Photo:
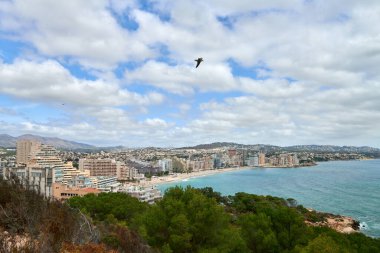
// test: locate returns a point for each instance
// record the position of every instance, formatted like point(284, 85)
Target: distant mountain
point(214, 145)
point(263, 147)
point(297, 148)
point(10, 141)
point(331, 148)
point(7, 140)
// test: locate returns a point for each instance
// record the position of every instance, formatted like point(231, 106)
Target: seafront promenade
point(177, 177)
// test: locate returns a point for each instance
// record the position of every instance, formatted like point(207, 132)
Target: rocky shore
point(342, 224)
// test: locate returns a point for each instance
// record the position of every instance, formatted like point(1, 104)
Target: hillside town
point(63, 174)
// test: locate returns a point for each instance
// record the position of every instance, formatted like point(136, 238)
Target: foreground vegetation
point(185, 220)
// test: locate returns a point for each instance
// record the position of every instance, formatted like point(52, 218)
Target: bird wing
point(198, 62)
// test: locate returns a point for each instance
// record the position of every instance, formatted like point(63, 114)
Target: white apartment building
point(166, 165)
point(253, 161)
point(146, 194)
point(107, 184)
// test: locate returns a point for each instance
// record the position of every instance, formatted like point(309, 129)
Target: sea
point(350, 188)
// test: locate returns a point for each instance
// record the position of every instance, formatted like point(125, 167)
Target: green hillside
point(185, 220)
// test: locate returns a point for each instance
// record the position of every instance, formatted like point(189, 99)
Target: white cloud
point(273, 88)
point(320, 69)
point(183, 79)
point(327, 118)
point(228, 7)
point(85, 30)
point(121, 6)
point(48, 81)
point(156, 122)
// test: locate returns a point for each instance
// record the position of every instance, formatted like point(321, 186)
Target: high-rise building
point(255, 160)
point(195, 165)
point(41, 166)
point(252, 161)
point(99, 167)
point(24, 150)
point(261, 159)
point(166, 165)
point(209, 162)
point(295, 160)
point(244, 154)
point(125, 172)
point(232, 152)
point(217, 161)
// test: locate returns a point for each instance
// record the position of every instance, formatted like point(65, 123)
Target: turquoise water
point(343, 187)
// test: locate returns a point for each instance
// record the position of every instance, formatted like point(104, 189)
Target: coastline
point(349, 221)
point(290, 167)
point(178, 177)
point(340, 223)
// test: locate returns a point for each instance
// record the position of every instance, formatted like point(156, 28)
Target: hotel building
point(99, 167)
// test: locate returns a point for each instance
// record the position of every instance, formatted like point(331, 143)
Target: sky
point(122, 72)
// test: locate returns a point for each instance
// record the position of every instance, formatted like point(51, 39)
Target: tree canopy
point(185, 220)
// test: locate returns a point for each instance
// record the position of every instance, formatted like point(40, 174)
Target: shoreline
point(340, 223)
point(178, 177)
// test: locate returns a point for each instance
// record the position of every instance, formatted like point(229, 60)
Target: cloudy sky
point(122, 72)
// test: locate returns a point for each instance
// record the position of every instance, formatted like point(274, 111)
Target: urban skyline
point(64, 174)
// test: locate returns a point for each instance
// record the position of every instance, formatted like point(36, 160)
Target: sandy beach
point(177, 177)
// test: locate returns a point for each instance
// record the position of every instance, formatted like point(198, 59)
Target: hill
point(10, 142)
point(201, 220)
point(296, 148)
point(331, 148)
point(7, 141)
point(185, 220)
point(29, 222)
point(263, 147)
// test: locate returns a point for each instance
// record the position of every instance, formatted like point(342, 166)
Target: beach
point(340, 223)
point(178, 177)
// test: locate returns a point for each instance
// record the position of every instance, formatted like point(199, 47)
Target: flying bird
point(199, 60)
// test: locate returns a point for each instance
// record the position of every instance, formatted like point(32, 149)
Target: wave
point(363, 226)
